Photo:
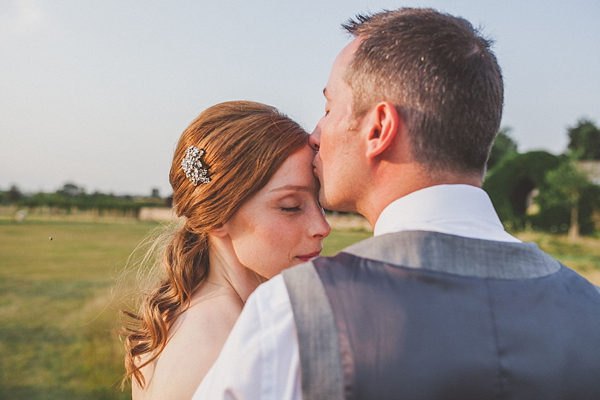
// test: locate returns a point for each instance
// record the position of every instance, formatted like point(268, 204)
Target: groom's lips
point(308, 257)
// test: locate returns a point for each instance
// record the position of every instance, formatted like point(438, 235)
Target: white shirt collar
point(461, 210)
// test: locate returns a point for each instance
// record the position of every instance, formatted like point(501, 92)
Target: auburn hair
point(245, 143)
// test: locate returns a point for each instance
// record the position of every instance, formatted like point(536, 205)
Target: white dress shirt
point(260, 359)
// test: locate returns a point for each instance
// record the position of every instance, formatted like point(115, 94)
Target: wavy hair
point(245, 143)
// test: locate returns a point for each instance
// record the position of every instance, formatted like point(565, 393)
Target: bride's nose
point(320, 227)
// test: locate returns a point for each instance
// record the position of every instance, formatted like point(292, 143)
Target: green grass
point(58, 306)
point(57, 310)
point(582, 255)
point(338, 240)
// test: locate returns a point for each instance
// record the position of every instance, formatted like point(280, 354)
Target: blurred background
point(94, 95)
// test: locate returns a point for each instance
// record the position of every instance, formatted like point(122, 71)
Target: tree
point(503, 146)
point(584, 140)
point(71, 190)
point(569, 182)
point(14, 194)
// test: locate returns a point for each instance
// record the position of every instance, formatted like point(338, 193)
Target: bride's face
point(282, 224)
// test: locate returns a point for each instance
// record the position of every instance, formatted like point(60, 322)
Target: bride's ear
point(222, 231)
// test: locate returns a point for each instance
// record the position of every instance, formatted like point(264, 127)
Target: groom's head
point(433, 76)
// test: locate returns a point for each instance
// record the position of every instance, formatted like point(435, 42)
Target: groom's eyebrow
point(299, 188)
point(325, 92)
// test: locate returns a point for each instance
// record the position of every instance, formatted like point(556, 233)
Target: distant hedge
point(512, 180)
point(83, 201)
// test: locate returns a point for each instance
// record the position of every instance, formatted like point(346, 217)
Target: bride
point(242, 179)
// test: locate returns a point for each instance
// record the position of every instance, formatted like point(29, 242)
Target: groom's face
point(337, 139)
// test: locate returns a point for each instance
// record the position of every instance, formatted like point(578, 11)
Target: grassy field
point(582, 255)
point(56, 309)
point(58, 305)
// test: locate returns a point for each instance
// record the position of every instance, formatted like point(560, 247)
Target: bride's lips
point(308, 257)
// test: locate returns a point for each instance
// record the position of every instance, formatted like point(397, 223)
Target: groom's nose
point(315, 138)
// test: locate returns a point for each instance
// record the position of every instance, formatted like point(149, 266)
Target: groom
point(441, 303)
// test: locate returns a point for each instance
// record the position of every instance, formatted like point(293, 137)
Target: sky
point(97, 93)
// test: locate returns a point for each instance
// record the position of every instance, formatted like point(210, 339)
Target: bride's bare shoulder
point(212, 315)
point(195, 341)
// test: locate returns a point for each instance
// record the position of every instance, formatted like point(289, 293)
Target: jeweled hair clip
point(193, 167)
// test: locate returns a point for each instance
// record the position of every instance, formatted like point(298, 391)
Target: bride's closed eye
point(289, 204)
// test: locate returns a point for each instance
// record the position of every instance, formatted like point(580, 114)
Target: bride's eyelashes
point(290, 209)
point(288, 206)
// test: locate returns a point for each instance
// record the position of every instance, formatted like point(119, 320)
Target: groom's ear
point(384, 123)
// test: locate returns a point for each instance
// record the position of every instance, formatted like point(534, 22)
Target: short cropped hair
point(442, 77)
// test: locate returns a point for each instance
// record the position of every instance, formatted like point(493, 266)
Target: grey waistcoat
point(424, 315)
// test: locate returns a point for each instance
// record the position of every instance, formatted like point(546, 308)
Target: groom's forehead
point(340, 68)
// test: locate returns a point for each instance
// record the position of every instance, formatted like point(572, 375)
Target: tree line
point(71, 196)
